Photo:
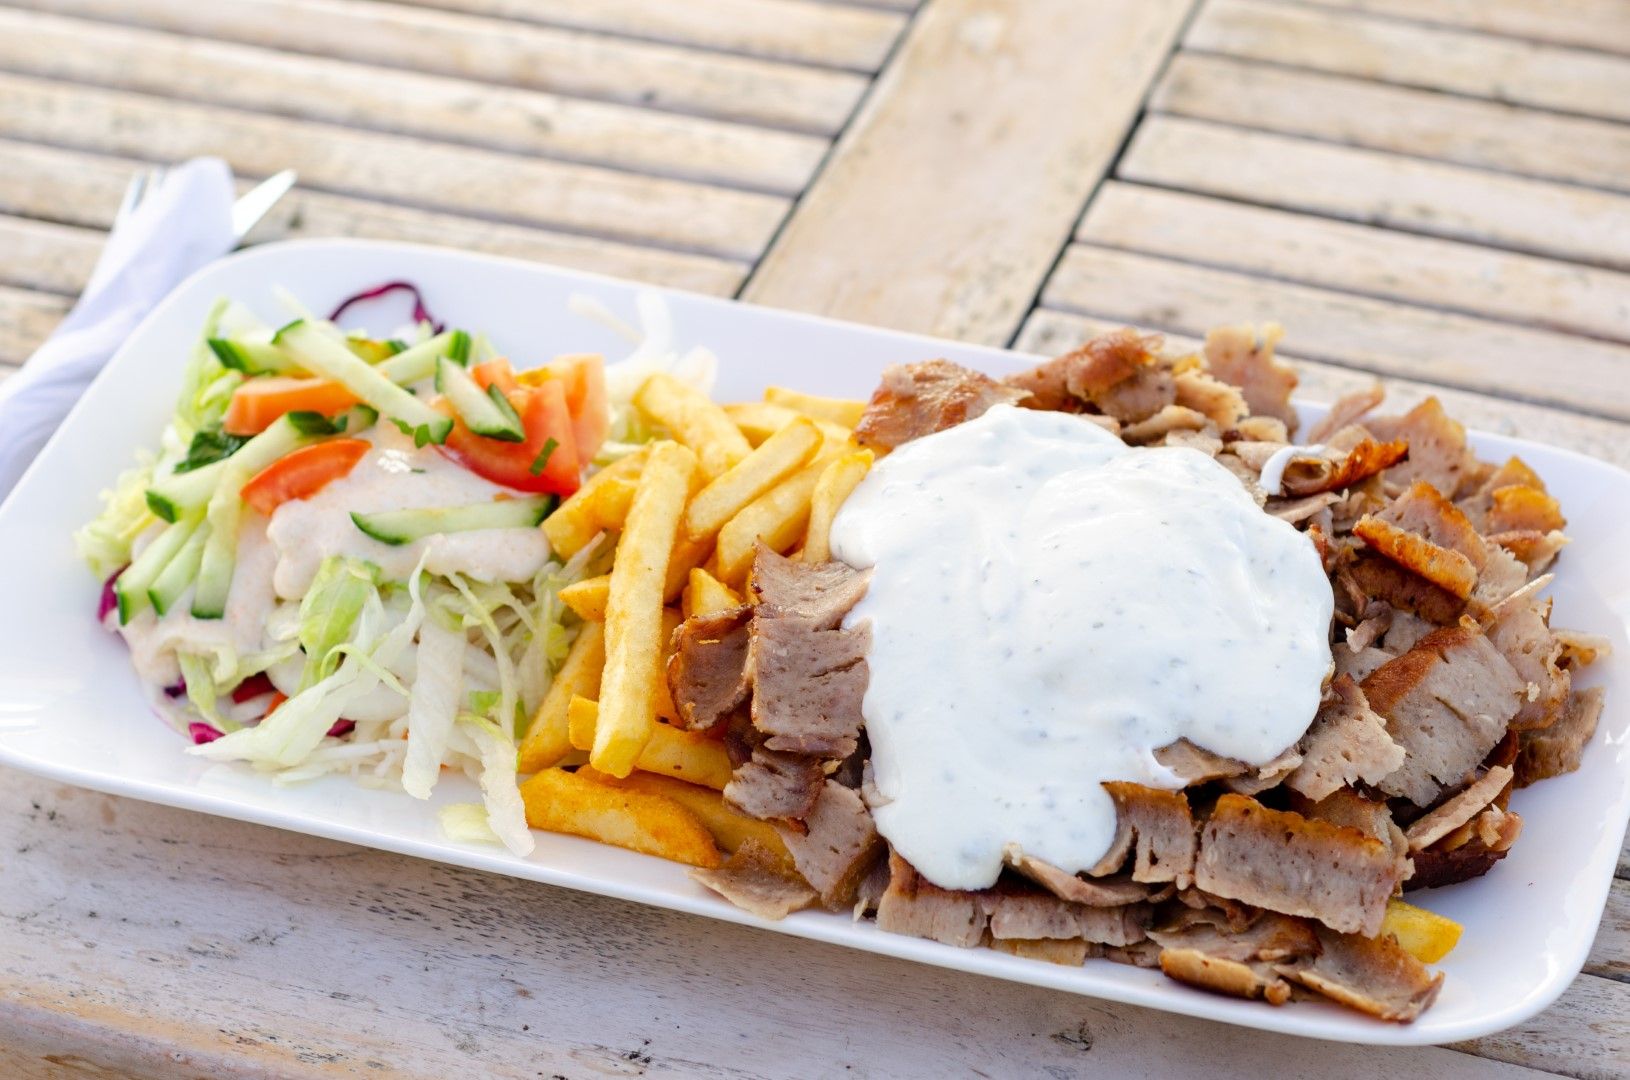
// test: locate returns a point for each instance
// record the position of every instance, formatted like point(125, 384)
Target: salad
point(331, 563)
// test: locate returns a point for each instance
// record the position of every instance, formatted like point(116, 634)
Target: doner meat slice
point(919, 399)
point(1447, 702)
point(1295, 865)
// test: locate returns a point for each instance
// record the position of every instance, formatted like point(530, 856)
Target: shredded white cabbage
point(654, 351)
point(433, 706)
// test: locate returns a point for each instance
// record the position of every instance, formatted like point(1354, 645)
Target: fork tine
point(132, 196)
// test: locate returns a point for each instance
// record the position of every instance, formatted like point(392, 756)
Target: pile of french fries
point(687, 512)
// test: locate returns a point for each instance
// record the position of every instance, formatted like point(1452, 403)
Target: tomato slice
point(586, 396)
point(495, 373)
point(257, 404)
point(544, 416)
point(583, 377)
point(303, 473)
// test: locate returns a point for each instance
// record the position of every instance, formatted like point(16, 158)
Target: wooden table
point(1433, 190)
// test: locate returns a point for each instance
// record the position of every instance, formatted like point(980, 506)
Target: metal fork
point(140, 187)
point(246, 212)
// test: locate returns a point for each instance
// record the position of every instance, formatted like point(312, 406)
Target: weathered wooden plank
point(1590, 24)
point(1610, 953)
point(1383, 189)
point(1519, 72)
point(45, 256)
point(487, 183)
point(798, 30)
point(1360, 258)
point(505, 53)
point(26, 317)
point(435, 107)
point(127, 930)
point(84, 189)
point(1377, 335)
point(1049, 332)
point(911, 224)
point(1585, 1034)
point(1402, 120)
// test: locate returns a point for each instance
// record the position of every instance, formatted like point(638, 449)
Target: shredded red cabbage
point(420, 312)
point(253, 687)
point(342, 728)
point(110, 599)
point(179, 689)
point(202, 733)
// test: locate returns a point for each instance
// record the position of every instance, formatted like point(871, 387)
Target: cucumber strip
point(252, 357)
point(485, 412)
point(131, 590)
point(217, 561)
point(225, 510)
point(458, 349)
point(416, 362)
point(325, 356)
point(171, 497)
point(396, 527)
point(181, 571)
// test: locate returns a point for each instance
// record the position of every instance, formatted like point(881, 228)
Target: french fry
point(588, 597)
point(775, 459)
point(628, 690)
point(758, 420)
point(669, 751)
point(1425, 935)
point(563, 802)
point(693, 419)
point(777, 517)
point(833, 410)
point(583, 515)
point(688, 554)
point(834, 486)
point(707, 595)
point(671, 618)
point(548, 739)
point(730, 827)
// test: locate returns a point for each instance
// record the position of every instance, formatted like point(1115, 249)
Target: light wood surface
point(990, 105)
point(1567, 80)
point(1430, 190)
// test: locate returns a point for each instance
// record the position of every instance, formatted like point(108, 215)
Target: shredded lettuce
point(329, 612)
point(105, 543)
point(506, 811)
point(466, 823)
point(654, 351)
point(206, 383)
point(198, 672)
point(433, 707)
point(288, 736)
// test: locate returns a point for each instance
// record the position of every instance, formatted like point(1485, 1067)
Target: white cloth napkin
point(184, 224)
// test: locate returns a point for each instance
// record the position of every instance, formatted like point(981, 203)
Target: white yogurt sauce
point(396, 476)
point(1047, 608)
point(1272, 480)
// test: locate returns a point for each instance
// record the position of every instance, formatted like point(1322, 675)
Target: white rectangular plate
point(70, 707)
